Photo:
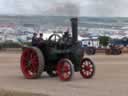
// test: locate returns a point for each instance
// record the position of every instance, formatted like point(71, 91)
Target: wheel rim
point(29, 63)
point(87, 68)
point(64, 70)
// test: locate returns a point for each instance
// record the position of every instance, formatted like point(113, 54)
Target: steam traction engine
point(58, 56)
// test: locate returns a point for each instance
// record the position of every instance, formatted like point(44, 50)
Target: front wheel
point(65, 69)
point(87, 68)
point(90, 51)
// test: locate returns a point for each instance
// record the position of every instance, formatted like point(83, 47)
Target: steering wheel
point(54, 38)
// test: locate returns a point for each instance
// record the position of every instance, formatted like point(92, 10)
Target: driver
point(40, 39)
point(34, 39)
point(66, 36)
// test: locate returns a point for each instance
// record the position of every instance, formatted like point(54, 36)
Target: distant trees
point(104, 40)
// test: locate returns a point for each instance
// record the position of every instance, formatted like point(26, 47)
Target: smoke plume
point(65, 9)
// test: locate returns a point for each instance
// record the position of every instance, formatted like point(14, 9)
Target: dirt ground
point(111, 78)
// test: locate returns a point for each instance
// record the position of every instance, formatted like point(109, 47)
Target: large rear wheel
point(32, 62)
point(65, 69)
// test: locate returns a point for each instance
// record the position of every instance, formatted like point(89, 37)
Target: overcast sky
point(64, 7)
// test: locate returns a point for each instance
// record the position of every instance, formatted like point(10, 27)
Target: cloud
point(105, 8)
point(65, 7)
point(23, 7)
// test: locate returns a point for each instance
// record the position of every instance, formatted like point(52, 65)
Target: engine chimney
point(74, 25)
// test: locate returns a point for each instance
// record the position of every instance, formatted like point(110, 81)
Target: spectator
point(34, 39)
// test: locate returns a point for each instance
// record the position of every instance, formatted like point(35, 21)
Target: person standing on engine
point(34, 39)
point(40, 39)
